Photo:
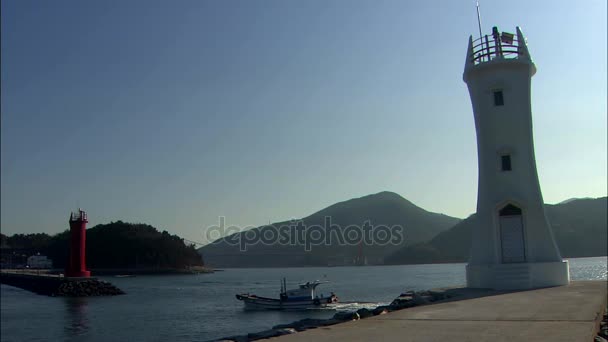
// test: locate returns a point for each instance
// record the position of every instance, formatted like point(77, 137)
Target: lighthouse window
point(498, 98)
point(506, 162)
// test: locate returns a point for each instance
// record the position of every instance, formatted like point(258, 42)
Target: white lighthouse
point(513, 246)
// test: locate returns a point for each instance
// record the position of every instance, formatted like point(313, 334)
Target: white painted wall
point(502, 130)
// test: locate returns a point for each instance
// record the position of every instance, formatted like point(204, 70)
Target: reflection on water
point(588, 268)
point(77, 319)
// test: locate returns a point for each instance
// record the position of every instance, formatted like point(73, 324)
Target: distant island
point(114, 248)
point(579, 227)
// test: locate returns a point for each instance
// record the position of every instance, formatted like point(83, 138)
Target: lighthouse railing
point(488, 48)
point(78, 215)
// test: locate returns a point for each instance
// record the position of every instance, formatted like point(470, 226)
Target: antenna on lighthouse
point(479, 19)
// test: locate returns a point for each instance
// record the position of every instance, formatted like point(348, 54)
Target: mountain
point(579, 227)
point(386, 209)
point(574, 199)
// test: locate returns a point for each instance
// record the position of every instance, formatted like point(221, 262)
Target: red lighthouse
point(76, 265)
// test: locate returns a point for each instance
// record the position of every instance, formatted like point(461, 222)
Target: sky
point(174, 113)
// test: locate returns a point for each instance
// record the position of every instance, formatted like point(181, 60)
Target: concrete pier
point(56, 285)
point(565, 313)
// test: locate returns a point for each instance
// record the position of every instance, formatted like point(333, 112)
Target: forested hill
point(579, 227)
point(384, 208)
point(113, 245)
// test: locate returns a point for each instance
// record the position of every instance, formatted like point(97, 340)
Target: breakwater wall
point(403, 301)
point(151, 271)
point(54, 285)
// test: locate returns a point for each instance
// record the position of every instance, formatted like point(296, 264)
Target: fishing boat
point(302, 298)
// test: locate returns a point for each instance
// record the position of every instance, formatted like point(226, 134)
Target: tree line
point(113, 245)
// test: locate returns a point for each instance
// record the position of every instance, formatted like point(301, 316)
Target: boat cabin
point(304, 291)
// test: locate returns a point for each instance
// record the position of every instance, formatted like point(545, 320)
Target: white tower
point(513, 245)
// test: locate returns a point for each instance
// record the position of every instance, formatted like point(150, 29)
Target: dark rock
point(402, 302)
point(403, 298)
point(602, 335)
point(331, 321)
point(85, 288)
point(308, 323)
point(411, 298)
point(438, 295)
point(346, 316)
point(421, 299)
point(381, 310)
point(264, 334)
point(303, 324)
point(284, 326)
point(364, 313)
point(241, 338)
point(286, 331)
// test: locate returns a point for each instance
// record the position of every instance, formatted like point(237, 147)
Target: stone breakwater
point(405, 300)
point(86, 288)
point(151, 271)
point(602, 335)
point(53, 285)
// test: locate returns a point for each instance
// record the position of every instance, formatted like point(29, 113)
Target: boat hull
point(261, 303)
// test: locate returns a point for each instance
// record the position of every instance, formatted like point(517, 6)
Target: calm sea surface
point(203, 307)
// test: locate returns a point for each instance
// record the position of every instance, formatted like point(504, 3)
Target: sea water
point(203, 307)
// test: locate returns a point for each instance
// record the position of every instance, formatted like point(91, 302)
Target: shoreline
point(374, 265)
point(151, 271)
point(59, 286)
point(120, 271)
point(408, 299)
point(459, 314)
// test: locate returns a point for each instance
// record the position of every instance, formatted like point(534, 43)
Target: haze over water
point(203, 307)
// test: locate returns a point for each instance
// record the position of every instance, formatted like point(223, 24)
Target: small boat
point(302, 298)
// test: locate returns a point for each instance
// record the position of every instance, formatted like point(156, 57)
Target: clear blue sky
point(173, 113)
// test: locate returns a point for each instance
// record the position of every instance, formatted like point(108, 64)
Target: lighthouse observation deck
point(497, 46)
point(79, 215)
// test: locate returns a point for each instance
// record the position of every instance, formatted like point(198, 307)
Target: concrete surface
point(565, 313)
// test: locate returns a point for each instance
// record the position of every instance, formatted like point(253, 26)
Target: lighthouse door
point(512, 235)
